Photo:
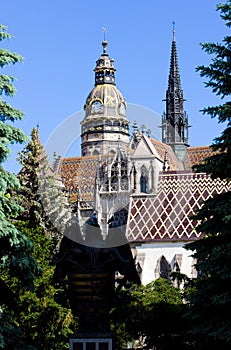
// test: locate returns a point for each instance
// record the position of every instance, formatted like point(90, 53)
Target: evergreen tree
point(210, 296)
point(15, 247)
point(41, 192)
point(30, 158)
point(45, 324)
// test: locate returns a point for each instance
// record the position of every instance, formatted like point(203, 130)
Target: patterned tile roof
point(68, 171)
point(161, 149)
point(166, 217)
point(73, 170)
point(78, 174)
point(198, 154)
point(86, 178)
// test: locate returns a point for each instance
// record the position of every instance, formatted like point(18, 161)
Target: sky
point(61, 41)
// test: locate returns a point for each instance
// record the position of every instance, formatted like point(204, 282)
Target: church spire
point(175, 120)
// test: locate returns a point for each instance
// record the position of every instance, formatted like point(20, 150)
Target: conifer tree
point(15, 247)
point(30, 158)
point(45, 323)
point(210, 296)
point(41, 191)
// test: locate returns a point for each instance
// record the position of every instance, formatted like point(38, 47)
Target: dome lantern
point(104, 70)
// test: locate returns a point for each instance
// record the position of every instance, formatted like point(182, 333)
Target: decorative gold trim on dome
point(110, 97)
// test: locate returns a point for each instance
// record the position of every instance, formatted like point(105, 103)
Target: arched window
point(119, 218)
point(124, 177)
point(163, 268)
point(144, 180)
point(116, 123)
point(114, 176)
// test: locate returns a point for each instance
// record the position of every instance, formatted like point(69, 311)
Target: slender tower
point(175, 120)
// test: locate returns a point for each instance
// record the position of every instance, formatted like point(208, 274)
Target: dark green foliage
point(16, 261)
point(30, 158)
point(210, 293)
point(43, 323)
point(152, 314)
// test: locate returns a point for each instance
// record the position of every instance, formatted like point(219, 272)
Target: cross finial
point(173, 31)
point(104, 29)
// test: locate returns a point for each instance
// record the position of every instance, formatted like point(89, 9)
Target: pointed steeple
point(174, 120)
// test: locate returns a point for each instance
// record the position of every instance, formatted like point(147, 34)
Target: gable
point(145, 149)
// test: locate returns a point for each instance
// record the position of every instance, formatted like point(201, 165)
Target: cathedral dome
point(105, 119)
point(105, 100)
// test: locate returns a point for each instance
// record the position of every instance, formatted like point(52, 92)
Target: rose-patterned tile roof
point(163, 217)
point(166, 216)
point(78, 175)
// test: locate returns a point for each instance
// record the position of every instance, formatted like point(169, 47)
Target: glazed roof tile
point(197, 154)
point(78, 174)
point(162, 149)
point(167, 216)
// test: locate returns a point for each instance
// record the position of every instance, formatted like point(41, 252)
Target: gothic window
point(144, 180)
point(177, 261)
point(124, 177)
point(152, 177)
point(114, 176)
point(134, 172)
point(119, 218)
point(163, 268)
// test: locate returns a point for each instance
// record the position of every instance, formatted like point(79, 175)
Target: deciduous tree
point(152, 315)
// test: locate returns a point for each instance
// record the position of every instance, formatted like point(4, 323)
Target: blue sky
point(61, 40)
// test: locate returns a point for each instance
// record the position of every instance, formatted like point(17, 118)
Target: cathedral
point(128, 179)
